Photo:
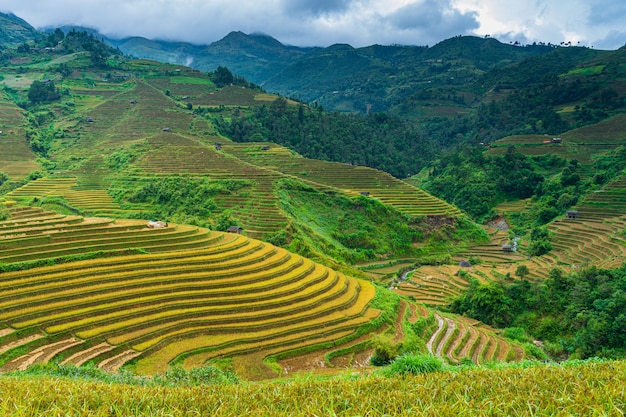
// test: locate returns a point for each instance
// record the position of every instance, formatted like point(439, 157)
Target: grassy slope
point(592, 388)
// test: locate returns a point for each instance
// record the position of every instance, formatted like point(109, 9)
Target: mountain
point(14, 30)
point(339, 77)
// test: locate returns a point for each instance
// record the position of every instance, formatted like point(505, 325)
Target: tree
point(43, 92)
point(222, 76)
point(522, 271)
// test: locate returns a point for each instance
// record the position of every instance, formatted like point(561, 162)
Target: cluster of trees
point(581, 314)
point(76, 41)
point(43, 92)
point(222, 77)
point(477, 182)
point(380, 141)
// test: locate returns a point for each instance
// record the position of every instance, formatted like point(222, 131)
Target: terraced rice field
point(255, 206)
point(578, 144)
point(456, 338)
point(596, 236)
point(32, 234)
point(16, 158)
point(93, 202)
point(353, 180)
point(194, 295)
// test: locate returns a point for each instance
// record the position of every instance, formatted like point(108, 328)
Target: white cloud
point(555, 21)
point(324, 22)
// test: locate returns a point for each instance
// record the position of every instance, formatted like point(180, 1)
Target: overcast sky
point(596, 23)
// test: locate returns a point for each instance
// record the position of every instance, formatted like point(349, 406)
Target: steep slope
point(16, 159)
point(14, 30)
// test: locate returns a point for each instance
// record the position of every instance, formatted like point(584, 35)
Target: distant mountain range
point(449, 75)
point(339, 76)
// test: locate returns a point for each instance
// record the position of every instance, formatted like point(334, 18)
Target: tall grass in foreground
point(591, 388)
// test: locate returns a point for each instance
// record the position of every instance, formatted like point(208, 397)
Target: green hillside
point(152, 215)
point(108, 143)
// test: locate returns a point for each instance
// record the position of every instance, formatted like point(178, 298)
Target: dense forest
point(581, 314)
point(381, 141)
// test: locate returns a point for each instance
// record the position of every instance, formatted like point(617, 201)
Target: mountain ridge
point(340, 77)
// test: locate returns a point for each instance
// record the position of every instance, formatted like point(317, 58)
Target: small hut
point(507, 248)
point(235, 229)
point(265, 148)
point(218, 146)
point(572, 214)
point(89, 120)
point(167, 129)
point(365, 193)
point(465, 264)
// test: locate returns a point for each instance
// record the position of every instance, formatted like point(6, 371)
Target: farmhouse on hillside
point(572, 214)
point(235, 229)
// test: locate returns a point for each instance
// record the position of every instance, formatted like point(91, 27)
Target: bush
point(415, 364)
point(516, 333)
point(385, 350)
point(43, 92)
point(522, 271)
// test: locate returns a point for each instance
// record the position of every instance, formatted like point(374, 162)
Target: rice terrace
point(177, 241)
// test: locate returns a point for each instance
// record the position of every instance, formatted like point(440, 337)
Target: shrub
point(415, 364)
point(516, 333)
point(385, 351)
point(522, 271)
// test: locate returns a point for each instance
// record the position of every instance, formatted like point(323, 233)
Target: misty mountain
point(409, 81)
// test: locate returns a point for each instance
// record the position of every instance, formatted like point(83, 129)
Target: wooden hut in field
point(572, 214)
point(235, 229)
point(507, 248)
point(465, 264)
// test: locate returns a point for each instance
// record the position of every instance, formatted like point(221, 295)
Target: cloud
point(433, 19)
point(613, 40)
point(315, 8)
point(603, 12)
point(324, 22)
